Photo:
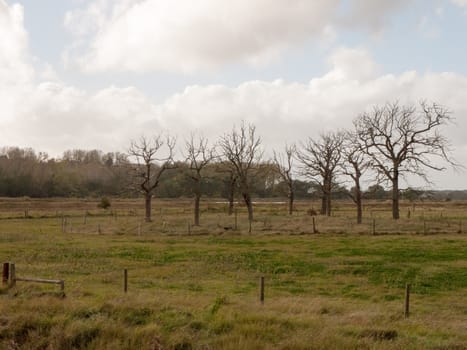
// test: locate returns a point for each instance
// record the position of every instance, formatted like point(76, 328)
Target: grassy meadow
point(338, 285)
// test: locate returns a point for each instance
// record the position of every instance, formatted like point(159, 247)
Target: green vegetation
point(340, 289)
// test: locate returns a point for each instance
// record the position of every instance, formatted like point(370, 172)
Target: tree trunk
point(231, 198)
point(323, 204)
point(358, 202)
point(291, 199)
point(197, 200)
point(358, 198)
point(327, 186)
point(249, 205)
point(395, 194)
point(147, 206)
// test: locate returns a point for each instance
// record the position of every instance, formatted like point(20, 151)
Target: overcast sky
point(98, 73)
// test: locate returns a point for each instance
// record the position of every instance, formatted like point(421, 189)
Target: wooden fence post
point(314, 225)
point(5, 273)
point(12, 276)
point(261, 289)
point(407, 300)
point(125, 280)
point(374, 227)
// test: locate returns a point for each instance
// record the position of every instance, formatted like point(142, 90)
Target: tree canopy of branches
point(242, 149)
point(403, 140)
point(320, 159)
point(151, 165)
point(198, 156)
point(283, 163)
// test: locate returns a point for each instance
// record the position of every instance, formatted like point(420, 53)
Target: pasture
point(335, 286)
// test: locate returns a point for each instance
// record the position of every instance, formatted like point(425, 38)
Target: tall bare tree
point(153, 159)
point(283, 163)
point(320, 159)
point(198, 155)
point(355, 163)
point(242, 148)
point(403, 140)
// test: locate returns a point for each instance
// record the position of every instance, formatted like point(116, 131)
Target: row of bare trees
point(385, 143)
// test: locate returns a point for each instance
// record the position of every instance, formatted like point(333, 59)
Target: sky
point(95, 74)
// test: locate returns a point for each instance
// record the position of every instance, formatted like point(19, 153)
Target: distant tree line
point(384, 145)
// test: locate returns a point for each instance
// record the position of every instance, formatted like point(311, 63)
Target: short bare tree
point(283, 163)
point(355, 163)
point(198, 155)
point(404, 140)
point(242, 149)
point(320, 159)
point(152, 159)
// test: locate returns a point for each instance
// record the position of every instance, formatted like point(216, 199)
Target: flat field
point(336, 285)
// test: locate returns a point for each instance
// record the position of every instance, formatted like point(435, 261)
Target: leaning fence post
point(407, 300)
point(12, 280)
point(5, 273)
point(261, 289)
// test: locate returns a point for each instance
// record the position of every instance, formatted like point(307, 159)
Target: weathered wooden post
point(12, 276)
point(125, 280)
point(314, 225)
point(236, 214)
point(261, 289)
point(5, 273)
point(374, 227)
point(407, 300)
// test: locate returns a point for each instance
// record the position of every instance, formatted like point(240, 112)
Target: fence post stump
point(407, 300)
point(5, 273)
point(261, 289)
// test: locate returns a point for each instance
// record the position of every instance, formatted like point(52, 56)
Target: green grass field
point(198, 287)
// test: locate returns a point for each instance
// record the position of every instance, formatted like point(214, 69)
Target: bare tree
point(230, 181)
point(151, 164)
point(403, 140)
point(320, 159)
point(284, 164)
point(198, 156)
point(242, 149)
point(355, 163)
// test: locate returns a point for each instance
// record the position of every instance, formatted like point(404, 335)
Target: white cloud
point(460, 3)
point(186, 36)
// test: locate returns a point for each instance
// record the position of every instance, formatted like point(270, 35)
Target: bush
point(104, 203)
